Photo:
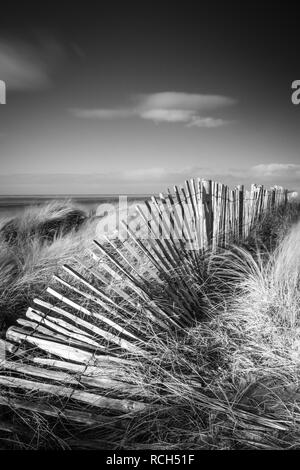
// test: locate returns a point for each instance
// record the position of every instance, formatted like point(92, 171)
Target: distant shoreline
point(10, 201)
point(65, 196)
point(11, 206)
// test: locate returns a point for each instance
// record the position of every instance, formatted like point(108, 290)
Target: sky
point(128, 99)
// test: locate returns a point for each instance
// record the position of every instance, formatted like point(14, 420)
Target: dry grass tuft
point(45, 221)
point(32, 248)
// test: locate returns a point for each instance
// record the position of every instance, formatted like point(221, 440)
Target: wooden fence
point(207, 214)
point(76, 346)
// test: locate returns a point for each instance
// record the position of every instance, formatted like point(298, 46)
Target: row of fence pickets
point(207, 214)
point(79, 343)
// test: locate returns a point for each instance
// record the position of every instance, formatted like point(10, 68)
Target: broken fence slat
point(69, 393)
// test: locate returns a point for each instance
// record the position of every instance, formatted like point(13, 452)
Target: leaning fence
point(76, 345)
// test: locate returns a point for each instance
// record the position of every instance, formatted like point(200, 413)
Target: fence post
point(207, 199)
point(240, 189)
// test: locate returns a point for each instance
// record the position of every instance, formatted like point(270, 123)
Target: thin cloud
point(130, 176)
point(188, 101)
point(102, 113)
point(167, 115)
point(256, 173)
point(282, 174)
point(25, 66)
point(167, 107)
point(277, 169)
point(151, 179)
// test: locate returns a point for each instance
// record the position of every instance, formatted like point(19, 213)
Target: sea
point(11, 206)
